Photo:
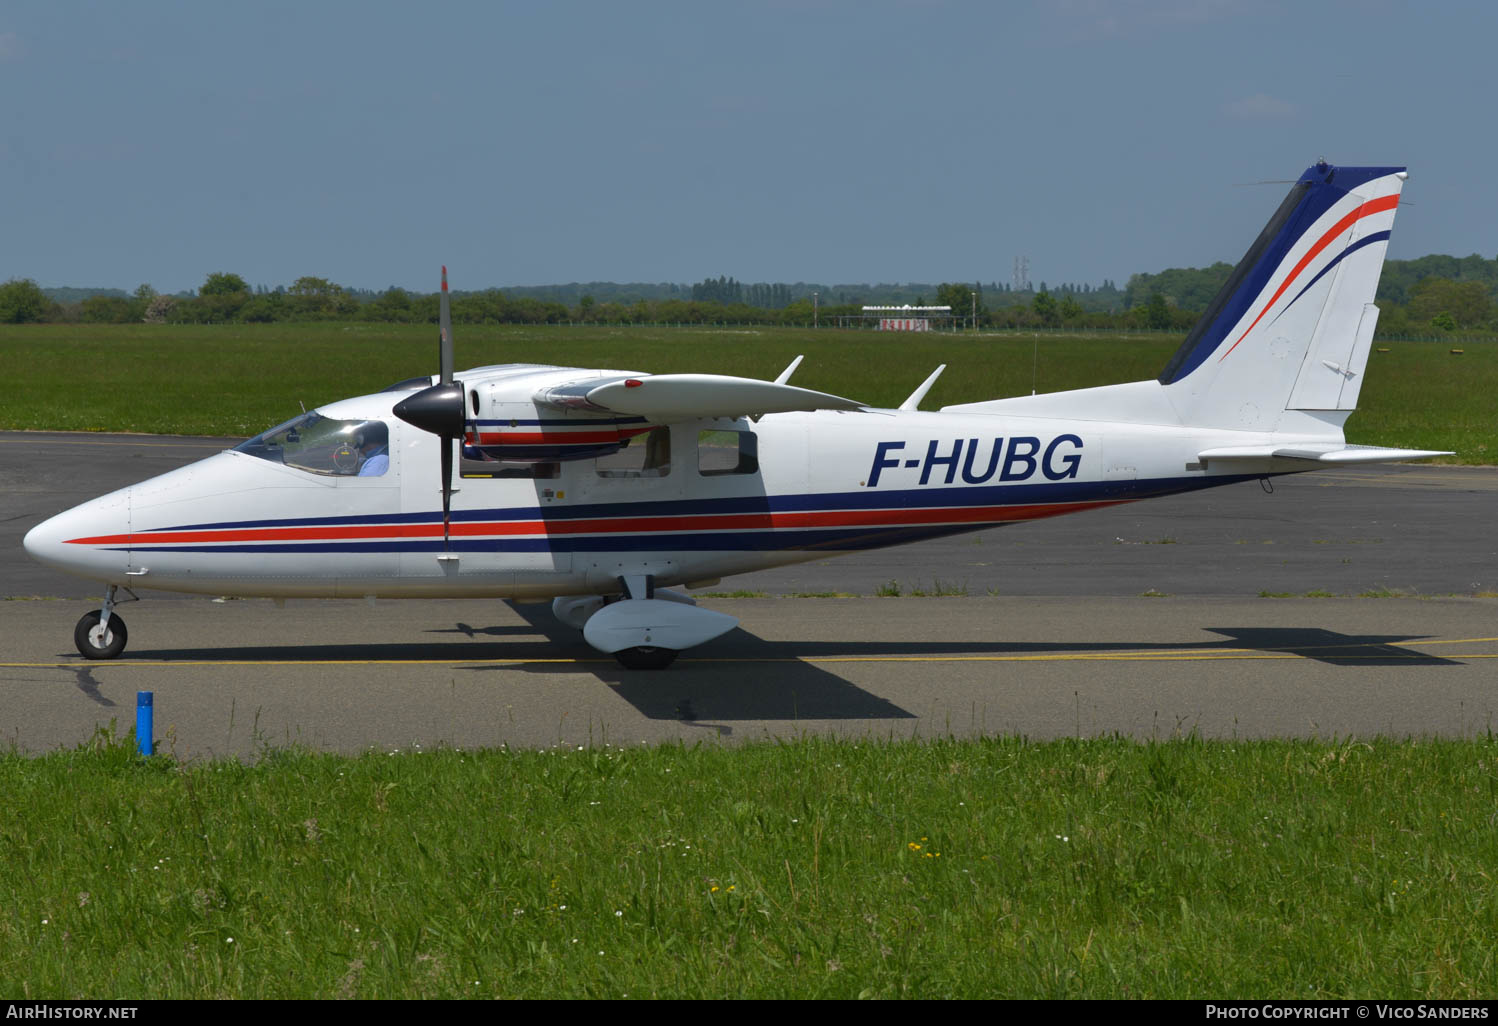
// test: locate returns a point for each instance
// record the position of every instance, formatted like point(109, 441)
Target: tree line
point(225, 297)
point(1431, 295)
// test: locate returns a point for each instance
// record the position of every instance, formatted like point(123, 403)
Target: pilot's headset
point(373, 431)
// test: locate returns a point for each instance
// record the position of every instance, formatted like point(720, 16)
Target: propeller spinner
point(439, 409)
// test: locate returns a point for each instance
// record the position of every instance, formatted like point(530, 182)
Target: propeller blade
point(445, 341)
point(438, 409)
point(447, 492)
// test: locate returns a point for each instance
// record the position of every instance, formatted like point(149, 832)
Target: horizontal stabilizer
point(663, 398)
point(1329, 452)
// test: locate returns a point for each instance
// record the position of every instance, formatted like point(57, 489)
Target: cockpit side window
point(320, 445)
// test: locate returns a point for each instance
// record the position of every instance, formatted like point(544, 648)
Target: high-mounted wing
point(664, 398)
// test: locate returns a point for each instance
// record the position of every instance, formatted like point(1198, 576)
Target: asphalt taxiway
point(235, 677)
point(1145, 620)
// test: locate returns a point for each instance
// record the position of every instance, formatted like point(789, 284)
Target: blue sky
point(530, 143)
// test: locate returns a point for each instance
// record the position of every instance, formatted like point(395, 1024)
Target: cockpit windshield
point(320, 445)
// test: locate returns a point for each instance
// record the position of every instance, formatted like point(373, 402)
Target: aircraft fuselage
point(818, 484)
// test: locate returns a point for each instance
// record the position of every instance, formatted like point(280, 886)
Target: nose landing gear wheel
point(645, 657)
point(96, 642)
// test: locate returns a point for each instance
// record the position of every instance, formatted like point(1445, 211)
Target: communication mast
point(1021, 281)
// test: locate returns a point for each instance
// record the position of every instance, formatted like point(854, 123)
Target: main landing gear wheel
point(645, 657)
point(96, 642)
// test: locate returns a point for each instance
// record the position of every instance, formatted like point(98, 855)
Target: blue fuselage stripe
point(701, 537)
point(791, 539)
point(812, 502)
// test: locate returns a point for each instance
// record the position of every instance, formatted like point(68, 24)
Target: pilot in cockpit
point(373, 442)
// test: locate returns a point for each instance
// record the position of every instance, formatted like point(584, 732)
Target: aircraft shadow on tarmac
point(748, 678)
point(1330, 647)
point(744, 677)
point(740, 677)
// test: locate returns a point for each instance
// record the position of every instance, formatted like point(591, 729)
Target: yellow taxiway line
point(1346, 652)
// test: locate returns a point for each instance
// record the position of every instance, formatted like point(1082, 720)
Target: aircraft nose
point(87, 540)
point(43, 542)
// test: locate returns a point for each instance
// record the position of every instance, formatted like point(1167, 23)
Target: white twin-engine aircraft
point(600, 489)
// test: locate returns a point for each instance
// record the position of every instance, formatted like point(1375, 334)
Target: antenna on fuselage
point(785, 375)
point(914, 401)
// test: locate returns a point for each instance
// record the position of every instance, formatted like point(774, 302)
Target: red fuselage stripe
point(566, 436)
point(613, 525)
point(543, 437)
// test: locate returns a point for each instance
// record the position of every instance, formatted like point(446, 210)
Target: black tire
point(114, 641)
point(645, 657)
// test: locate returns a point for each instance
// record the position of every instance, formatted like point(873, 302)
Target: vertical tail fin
point(1290, 330)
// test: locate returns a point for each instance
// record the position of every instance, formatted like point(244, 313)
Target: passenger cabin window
point(647, 455)
point(320, 445)
point(727, 452)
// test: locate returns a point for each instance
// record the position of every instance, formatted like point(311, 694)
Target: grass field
point(241, 379)
point(1000, 868)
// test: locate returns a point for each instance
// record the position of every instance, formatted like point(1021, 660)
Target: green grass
point(939, 589)
point(1418, 396)
point(819, 868)
point(241, 379)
